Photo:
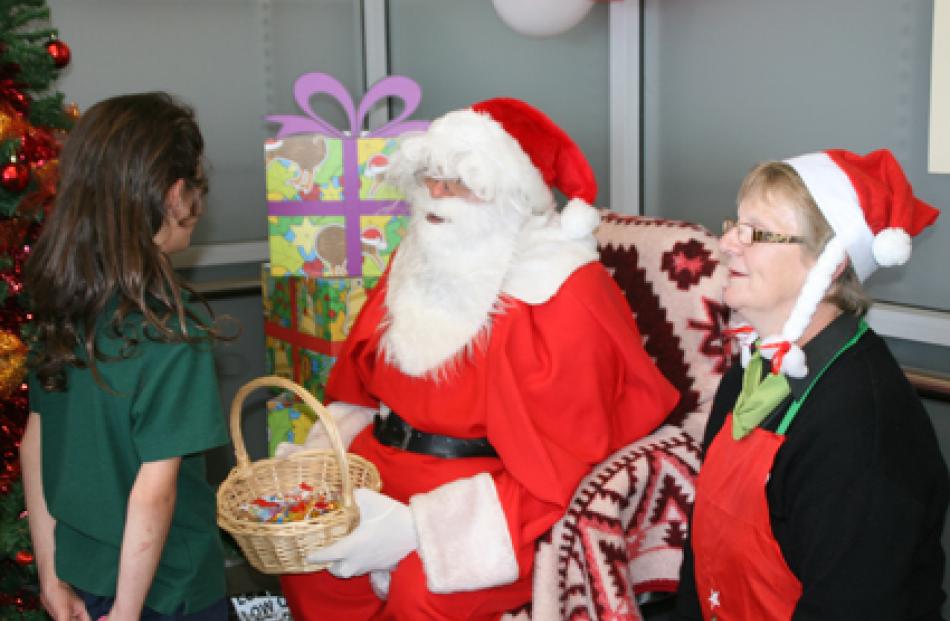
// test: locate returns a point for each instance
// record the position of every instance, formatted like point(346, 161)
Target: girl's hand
point(61, 602)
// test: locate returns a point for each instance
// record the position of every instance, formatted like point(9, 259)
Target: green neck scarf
point(758, 397)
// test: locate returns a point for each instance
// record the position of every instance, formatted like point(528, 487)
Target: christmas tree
point(32, 124)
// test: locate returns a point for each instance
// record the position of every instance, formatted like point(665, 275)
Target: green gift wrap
point(306, 321)
point(288, 420)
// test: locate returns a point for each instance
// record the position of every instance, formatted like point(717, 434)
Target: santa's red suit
point(555, 388)
point(496, 325)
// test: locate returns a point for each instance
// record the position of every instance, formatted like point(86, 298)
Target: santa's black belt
point(394, 431)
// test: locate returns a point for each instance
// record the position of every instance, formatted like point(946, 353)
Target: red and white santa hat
point(873, 212)
point(504, 147)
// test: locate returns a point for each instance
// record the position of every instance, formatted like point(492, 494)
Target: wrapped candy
point(299, 505)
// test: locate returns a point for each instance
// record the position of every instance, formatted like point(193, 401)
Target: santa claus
point(489, 370)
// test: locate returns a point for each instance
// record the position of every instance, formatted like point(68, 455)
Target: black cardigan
point(858, 492)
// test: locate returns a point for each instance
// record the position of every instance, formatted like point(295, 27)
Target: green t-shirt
point(165, 404)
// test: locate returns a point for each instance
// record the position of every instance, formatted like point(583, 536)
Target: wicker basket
point(279, 548)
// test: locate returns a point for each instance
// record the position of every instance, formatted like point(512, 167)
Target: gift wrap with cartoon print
point(289, 419)
point(330, 211)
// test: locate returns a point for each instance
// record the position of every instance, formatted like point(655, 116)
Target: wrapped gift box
point(288, 420)
point(330, 212)
point(306, 321)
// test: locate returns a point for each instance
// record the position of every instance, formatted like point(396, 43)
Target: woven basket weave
point(278, 548)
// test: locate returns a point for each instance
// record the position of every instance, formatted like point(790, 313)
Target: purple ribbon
point(351, 207)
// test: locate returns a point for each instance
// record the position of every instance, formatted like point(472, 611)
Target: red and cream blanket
point(624, 532)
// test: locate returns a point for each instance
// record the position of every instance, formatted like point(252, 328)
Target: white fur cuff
point(464, 541)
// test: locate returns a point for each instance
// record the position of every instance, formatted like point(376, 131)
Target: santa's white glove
point(386, 534)
point(350, 421)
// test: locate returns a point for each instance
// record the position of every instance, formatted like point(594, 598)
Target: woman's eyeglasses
point(748, 234)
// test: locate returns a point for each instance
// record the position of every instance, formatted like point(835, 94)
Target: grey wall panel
point(233, 60)
point(460, 52)
point(733, 82)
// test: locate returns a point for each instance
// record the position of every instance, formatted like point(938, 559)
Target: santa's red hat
point(873, 212)
point(506, 147)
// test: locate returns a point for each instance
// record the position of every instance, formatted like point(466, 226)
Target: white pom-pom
point(579, 219)
point(793, 364)
point(891, 247)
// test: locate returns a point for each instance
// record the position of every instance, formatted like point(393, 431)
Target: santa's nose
point(438, 188)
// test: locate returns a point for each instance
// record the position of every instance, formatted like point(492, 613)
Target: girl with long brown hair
point(123, 391)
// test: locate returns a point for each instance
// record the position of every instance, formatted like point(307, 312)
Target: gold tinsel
point(12, 125)
point(12, 362)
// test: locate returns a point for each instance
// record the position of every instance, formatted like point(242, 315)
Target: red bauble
point(59, 52)
point(23, 557)
point(37, 146)
point(14, 176)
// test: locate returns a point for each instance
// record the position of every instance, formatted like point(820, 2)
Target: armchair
point(622, 537)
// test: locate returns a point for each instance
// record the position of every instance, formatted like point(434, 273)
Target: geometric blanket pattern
point(623, 534)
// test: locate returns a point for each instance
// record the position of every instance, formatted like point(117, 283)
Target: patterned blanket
point(623, 534)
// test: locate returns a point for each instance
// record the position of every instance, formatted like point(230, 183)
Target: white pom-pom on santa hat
point(793, 362)
point(787, 355)
point(891, 247)
point(579, 219)
point(868, 202)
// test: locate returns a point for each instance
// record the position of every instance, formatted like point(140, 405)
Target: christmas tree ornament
point(12, 124)
point(14, 175)
point(59, 52)
point(23, 557)
point(46, 176)
point(72, 110)
point(11, 93)
point(37, 146)
point(12, 362)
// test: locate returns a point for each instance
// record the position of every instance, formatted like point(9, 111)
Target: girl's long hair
point(117, 166)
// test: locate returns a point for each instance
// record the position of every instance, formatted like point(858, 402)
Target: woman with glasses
point(822, 493)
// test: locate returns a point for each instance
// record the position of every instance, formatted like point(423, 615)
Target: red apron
point(740, 572)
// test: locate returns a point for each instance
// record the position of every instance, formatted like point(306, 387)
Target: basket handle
point(240, 450)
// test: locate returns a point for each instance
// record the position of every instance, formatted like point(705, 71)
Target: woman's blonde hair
point(777, 181)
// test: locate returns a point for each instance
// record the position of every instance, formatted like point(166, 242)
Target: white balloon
point(542, 18)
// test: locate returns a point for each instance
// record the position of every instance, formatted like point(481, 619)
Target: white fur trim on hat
point(836, 198)
point(816, 286)
point(892, 247)
point(475, 148)
point(579, 219)
point(464, 541)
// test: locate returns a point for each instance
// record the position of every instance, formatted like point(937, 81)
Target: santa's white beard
point(445, 281)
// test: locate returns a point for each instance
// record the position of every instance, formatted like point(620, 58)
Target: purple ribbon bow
point(351, 207)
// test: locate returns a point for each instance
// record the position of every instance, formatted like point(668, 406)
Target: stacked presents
point(333, 223)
